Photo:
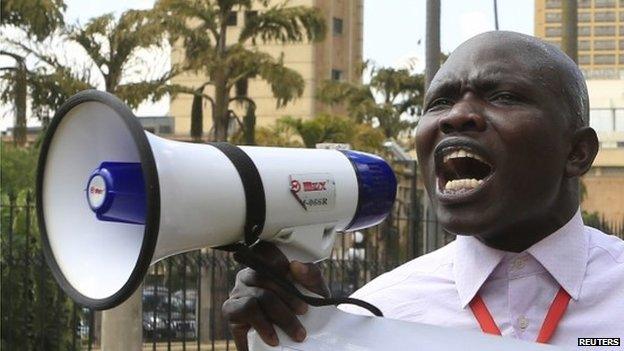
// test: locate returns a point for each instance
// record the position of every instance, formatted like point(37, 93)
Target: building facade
point(601, 58)
point(337, 57)
point(600, 34)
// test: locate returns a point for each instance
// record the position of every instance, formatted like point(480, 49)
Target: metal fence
point(182, 295)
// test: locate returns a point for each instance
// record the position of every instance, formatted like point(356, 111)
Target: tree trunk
point(249, 123)
point(569, 28)
point(197, 117)
point(432, 41)
point(220, 116)
point(21, 91)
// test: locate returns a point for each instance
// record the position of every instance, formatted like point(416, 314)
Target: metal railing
point(182, 295)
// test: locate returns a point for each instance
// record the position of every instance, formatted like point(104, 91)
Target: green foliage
point(390, 95)
point(111, 45)
point(35, 313)
point(277, 135)
point(38, 18)
point(289, 131)
point(18, 167)
point(323, 128)
point(201, 26)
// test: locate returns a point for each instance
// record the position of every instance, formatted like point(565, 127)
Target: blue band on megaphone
point(377, 187)
point(116, 192)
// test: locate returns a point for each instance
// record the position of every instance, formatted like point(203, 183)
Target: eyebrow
point(488, 78)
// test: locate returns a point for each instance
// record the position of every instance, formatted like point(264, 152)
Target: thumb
point(310, 277)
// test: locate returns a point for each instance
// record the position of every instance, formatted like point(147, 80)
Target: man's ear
point(583, 152)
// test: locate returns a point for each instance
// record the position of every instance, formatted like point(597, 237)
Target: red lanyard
point(555, 312)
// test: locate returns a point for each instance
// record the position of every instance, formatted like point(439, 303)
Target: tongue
point(465, 168)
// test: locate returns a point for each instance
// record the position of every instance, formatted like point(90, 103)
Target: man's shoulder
point(434, 265)
point(403, 291)
point(605, 247)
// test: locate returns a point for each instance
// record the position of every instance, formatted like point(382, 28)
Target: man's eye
point(438, 104)
point(505, 98)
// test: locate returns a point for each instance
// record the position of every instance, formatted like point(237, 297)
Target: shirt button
point(523, 322)
point(518, 264)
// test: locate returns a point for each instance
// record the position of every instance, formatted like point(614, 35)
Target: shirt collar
point(564, 254)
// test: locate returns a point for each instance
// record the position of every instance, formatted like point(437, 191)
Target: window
point(621, 60)
point(622, 14)
point(249, 15)
point(583, 4)
point(619, 120)
point(604, 30)
point(604, 17)
point(604, 3)
point(553, 17)
point(607, 119)
point(604, 59)
point(337, 25)
point(584, 16)
point(232, 19)
point(336, 74)
point(601, 119)
point(584, 59)
point(553, 32)
point(584, 31)
point(621, 44)
point(604, 45)
point(583, 45)
point(621, 30)
point(553, 4)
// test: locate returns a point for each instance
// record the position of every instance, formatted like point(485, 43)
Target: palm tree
point(111, 46)
point(37, 19)
point(385, 100)
point(201, 27)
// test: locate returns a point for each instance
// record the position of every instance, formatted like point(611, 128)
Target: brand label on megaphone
point(314, 191)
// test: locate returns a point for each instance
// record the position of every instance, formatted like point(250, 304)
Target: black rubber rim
point(150, 175)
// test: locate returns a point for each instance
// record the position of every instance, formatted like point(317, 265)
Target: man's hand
point(256, 302)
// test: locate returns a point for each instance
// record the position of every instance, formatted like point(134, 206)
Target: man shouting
point(502, 143)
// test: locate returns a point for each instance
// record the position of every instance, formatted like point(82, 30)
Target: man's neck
point(525, 235)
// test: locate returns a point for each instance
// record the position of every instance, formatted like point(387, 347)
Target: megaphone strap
point(255, 203)
point(254, 223)
point(244, 255)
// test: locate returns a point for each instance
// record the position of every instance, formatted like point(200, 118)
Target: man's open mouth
point(461, 170)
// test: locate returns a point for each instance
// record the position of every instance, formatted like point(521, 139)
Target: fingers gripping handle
point(246, 256)
point(310, 243)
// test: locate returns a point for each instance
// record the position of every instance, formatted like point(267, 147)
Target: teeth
point(462, 153)
point(466, 184)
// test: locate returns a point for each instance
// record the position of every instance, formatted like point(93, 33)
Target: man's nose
point(463, 117)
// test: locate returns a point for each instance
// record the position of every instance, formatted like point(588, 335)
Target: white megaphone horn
point(113, 199)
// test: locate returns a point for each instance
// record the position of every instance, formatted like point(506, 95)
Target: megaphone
point(113, 199)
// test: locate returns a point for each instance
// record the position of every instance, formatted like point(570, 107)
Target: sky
point(394, 30)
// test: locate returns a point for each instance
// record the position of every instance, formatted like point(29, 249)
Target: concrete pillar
point(122, 326)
